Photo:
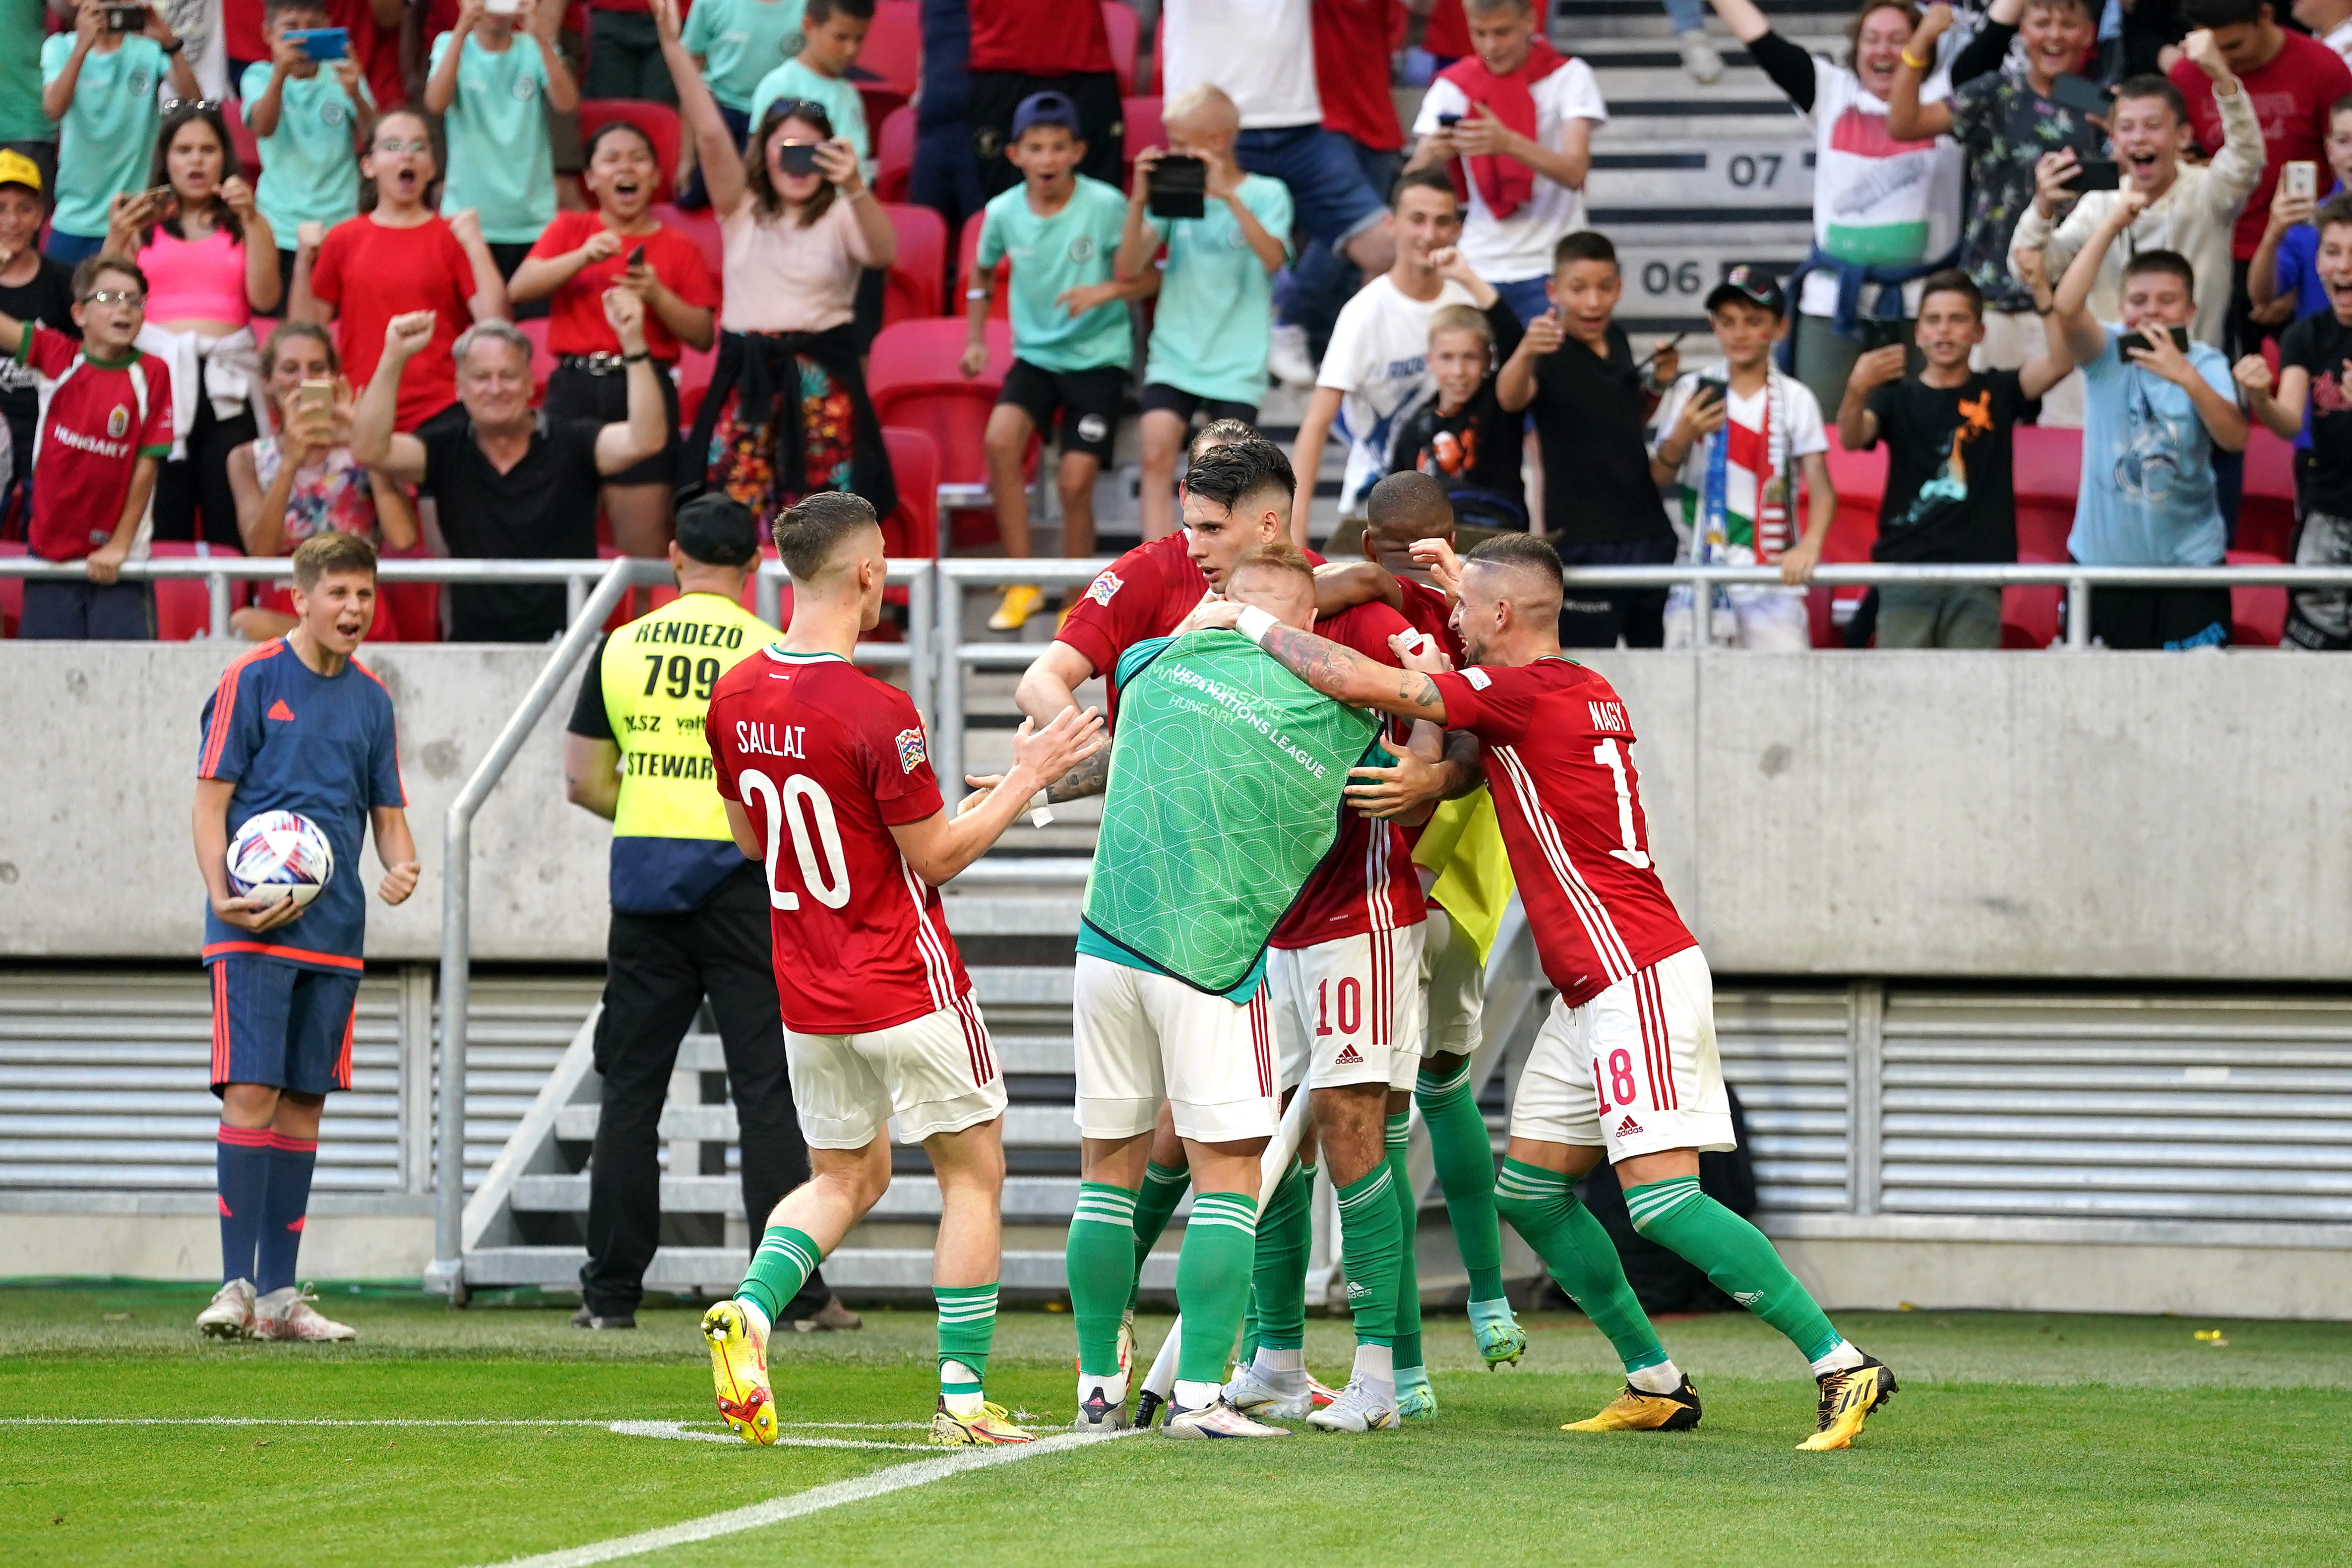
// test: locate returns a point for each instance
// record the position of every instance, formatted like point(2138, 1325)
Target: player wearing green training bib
point(1224, 795)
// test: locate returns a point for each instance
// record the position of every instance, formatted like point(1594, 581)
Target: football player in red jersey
point(879, 1021)
point(1625, 1068)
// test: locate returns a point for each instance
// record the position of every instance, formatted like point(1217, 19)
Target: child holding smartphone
point(311, 124)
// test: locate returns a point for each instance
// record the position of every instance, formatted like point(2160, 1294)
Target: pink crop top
point(203, 281)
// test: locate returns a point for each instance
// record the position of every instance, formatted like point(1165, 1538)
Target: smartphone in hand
point(2140, 340)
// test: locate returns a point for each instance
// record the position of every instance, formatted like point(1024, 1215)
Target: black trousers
point(1102, 118)
point(193, 497)
point(1591, 617)
point(658, 969)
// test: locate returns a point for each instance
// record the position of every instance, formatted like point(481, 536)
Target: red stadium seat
point(2047, 470)
point(1144, 127)
point(2258, 614)
point(2266, 513)
point(184, 605)
point(894, 154)
point(695, 367)
point(657, 121)
point(699, 224)
point(999, 303)
point(12, 590)
point(414, 607)
point(1124, 30)
point(915, 382)
point(890, 64)
point(917, 276)
point(241, 137)
point(914, 528)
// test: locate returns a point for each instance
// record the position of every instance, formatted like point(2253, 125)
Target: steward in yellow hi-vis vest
point(689, 914)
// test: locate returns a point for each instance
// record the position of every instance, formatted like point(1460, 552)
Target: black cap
point(1754, 284)
point(717, 531)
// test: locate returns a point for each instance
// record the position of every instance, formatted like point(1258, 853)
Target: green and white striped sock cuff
point(1400, 1130)
point(1156, 1174)
point(1105, 1204)
point(1651, 1203)
point(964, 1304)
point(785, 1242)
point(1373, 1186)
point(1430, 1090)
point(1235, 1210)
point(1519, 1179)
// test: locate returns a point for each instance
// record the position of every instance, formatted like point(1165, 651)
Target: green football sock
point(1100, 1261)
point(1372, 1242)
point(1678, 1216)
point(1248, 1352)
point(1278, 1278)
point(1408, 1318)
point(1465, 1171)
point(1542, 1207)
point(1163, 1189)
point(1213, 1275)
point(967, 1326)
point(782, 1265)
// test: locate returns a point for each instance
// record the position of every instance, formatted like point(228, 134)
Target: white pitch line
point(858, 1488)
point(605, 1422)
point(678, 1431)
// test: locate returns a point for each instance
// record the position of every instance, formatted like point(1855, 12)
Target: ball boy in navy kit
point(295, 725)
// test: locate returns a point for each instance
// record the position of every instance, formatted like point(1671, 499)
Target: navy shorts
point(1329, 196)
point(281, 1025)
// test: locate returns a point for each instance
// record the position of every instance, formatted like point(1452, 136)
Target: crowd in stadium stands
point(508, 278)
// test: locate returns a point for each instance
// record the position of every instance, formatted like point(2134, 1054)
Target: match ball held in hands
point(281, 853)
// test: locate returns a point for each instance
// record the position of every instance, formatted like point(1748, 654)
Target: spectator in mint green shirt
point(738, 43)
point(1072, 343)
point(100, 86)
point(22, 127)
point(311, 124)
point(1214, 323)
point(832, 32)
point(494, 78)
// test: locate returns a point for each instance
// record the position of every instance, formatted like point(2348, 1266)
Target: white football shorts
point(1349, 1011)
point(932, 1074)
point(1143, 1038)
point(1634, 1070)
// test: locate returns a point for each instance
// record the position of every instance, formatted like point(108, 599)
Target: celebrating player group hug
point(1323, 781)
point(1288, 733)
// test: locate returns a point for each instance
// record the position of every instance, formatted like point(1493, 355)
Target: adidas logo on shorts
point(1628, 1127)
point(1348, 1057)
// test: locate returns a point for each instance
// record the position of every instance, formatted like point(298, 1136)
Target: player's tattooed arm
point(1343, 673)
point(1465, 763)
point(1090, 777)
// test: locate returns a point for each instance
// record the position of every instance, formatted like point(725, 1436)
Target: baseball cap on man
point(717, 531)
point(15, 169)
point(1753, 284)
point(1046, 109)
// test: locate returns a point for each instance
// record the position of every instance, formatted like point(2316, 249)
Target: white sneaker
point(1218, 1420)
point(288, 1314)
point(1287, 359)
point(230, 1317)
point(1699, 58)
point(1361, 1408)
point(1253, 1392)
point(1097, 1413)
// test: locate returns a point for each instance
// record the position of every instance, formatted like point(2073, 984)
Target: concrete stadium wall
point(2140, 816)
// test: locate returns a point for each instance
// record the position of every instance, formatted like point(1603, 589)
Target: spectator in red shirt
point(620, 245)
point(2293, 81)
point(105, 427)
point(400, 258)
point(1020, 47)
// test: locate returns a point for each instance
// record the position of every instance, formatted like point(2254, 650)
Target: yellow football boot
point(739, 1370)
point(1638, 1410)
point(991, 1425)
point(1848, 1396)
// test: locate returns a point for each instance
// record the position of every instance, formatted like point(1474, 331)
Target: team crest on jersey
point(1477, 678)
point(1104, 586)
point(911, 753)
point(118, 424)
point(332, 114)
point(1082, 249)
point(523, 88)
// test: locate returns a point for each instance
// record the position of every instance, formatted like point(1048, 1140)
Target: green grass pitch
point(2016, 1439)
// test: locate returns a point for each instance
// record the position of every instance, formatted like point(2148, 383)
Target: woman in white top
point(1885, 212)
point(787, 412)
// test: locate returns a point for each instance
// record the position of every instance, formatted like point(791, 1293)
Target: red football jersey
point(1367, 882)
point(95, 425)
point(1143, 594)
point(1430, 611)
point(819, 752)
point(1559, 761)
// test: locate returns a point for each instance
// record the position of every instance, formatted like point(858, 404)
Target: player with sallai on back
point(295, 725)
point(828, 782)
point(1625, 1066)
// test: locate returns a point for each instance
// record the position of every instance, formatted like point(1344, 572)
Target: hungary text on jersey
point(826, 759)
point(1559, 761)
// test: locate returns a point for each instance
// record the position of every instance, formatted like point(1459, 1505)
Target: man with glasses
point(104, 431)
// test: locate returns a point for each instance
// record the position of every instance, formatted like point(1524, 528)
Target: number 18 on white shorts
point(1349, 1011)
point(1634, 1070)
